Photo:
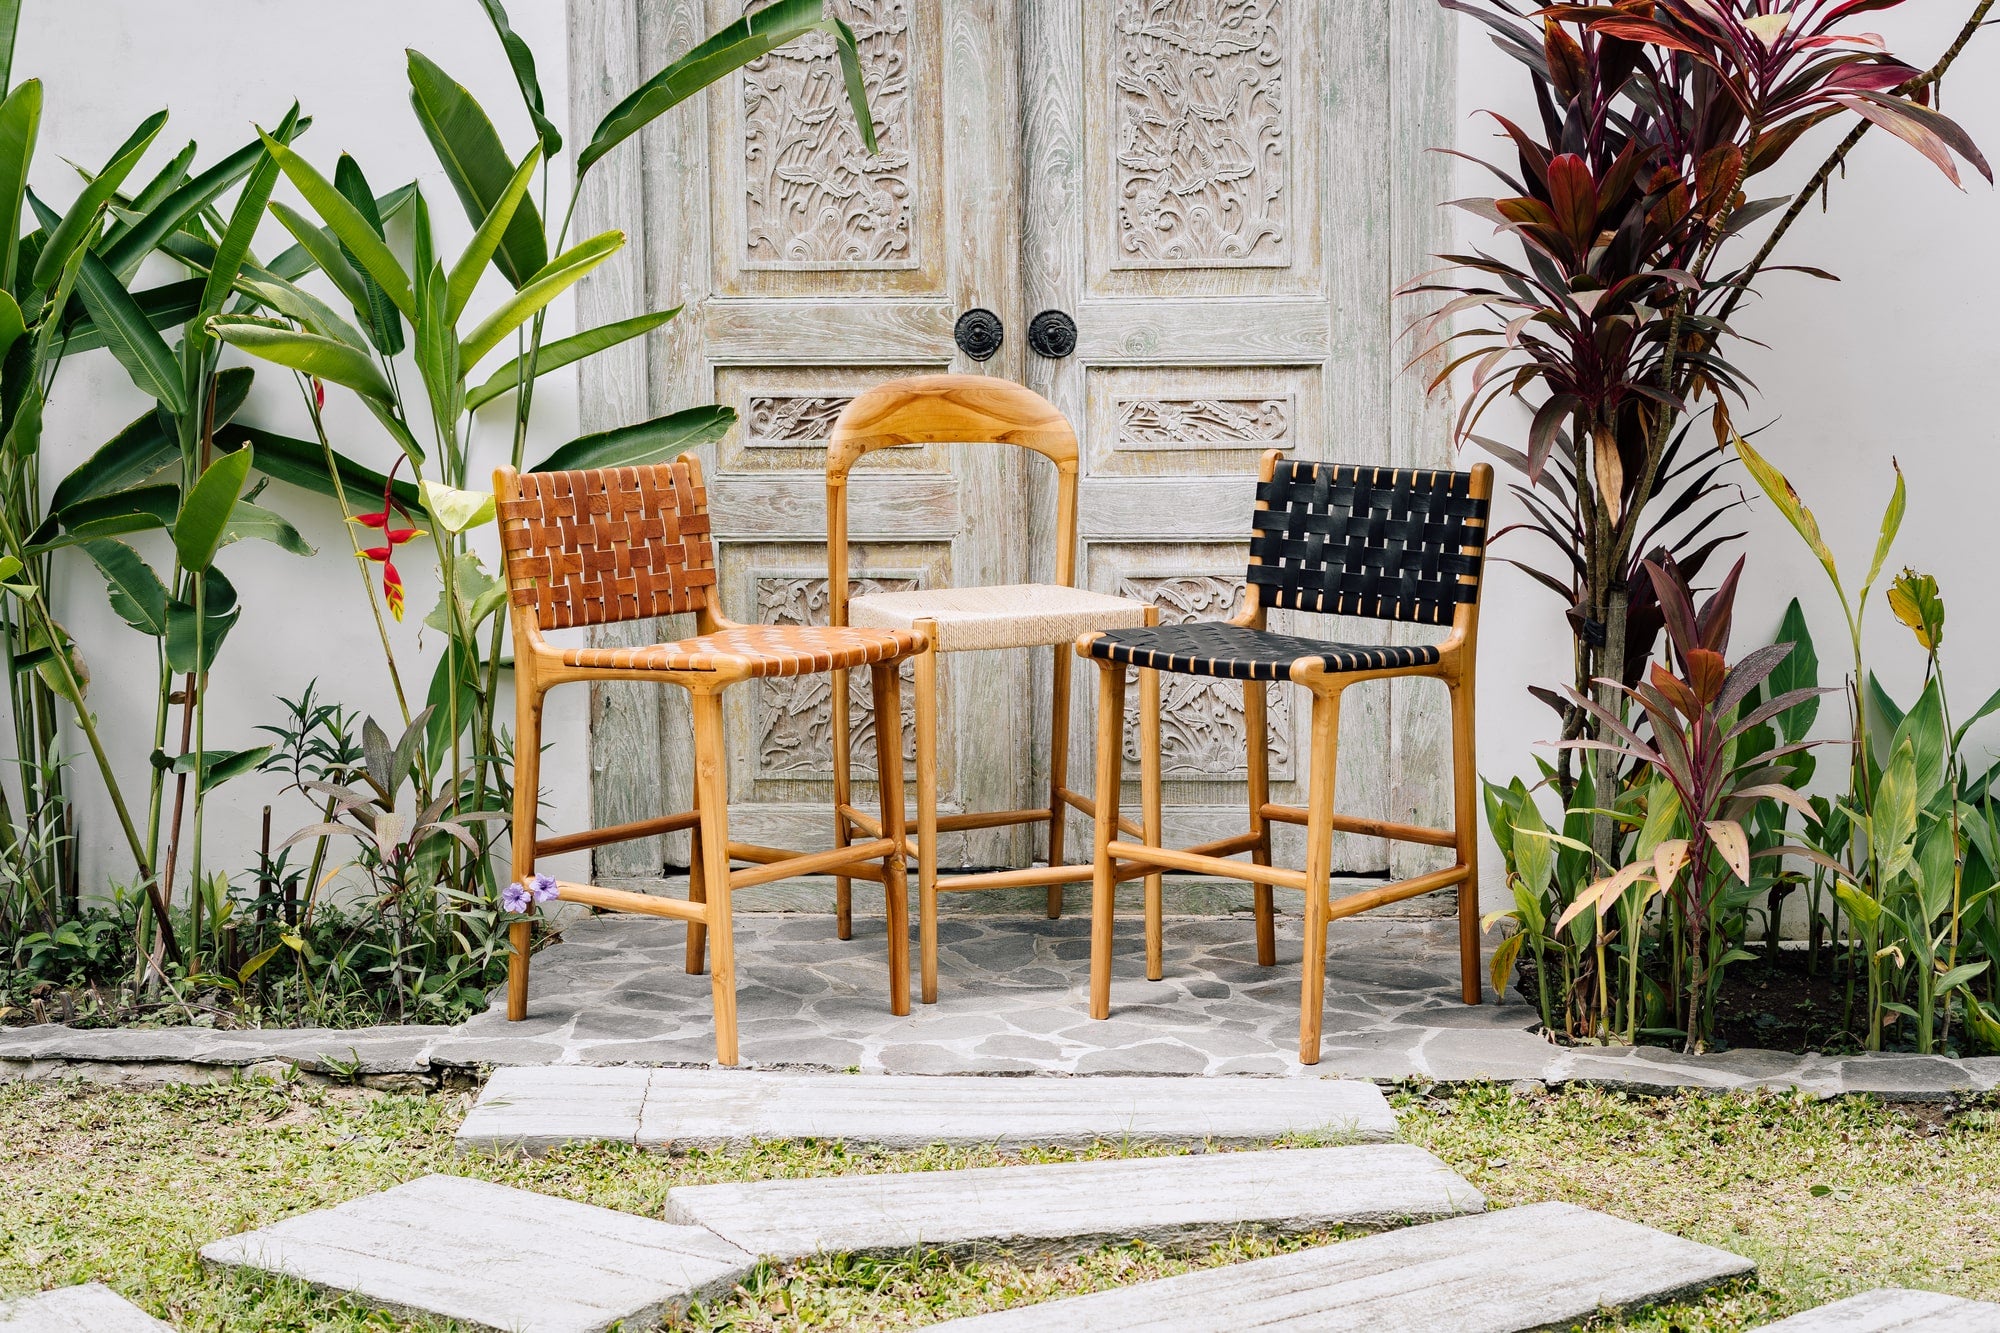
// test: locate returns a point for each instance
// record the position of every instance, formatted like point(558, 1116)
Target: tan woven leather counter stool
point(599, 547)
point(973, 409)
point(1385, 543)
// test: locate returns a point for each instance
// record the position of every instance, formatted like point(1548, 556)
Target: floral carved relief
point(812, 194)
point(1200, 125)
point(1169, 423)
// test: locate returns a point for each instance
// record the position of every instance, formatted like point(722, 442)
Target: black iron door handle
point(1052, 334)
point(979, 334)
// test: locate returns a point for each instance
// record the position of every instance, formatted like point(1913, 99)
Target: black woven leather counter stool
point(1385, 543)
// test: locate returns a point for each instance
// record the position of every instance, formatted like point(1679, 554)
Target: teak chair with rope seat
point(599, 547)
point(971, 409)
point(1385, 543)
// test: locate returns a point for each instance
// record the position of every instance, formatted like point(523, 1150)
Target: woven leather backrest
point(611, 544)
point(1390, 543)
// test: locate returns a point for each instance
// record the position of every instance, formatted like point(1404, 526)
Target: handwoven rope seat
point(1018, 615)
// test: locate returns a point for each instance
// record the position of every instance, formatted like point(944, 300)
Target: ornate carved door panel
point(1222, 193)
point(810, 270)
point(1216, 193)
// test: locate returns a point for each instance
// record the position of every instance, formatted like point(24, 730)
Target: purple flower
point(544, 887)
point(514, 898)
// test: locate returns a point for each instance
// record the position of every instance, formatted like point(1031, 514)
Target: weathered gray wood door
point(1221, 193)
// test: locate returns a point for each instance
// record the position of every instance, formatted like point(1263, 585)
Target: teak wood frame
point(1456, 667)
point(969, 409)
point(539, 667)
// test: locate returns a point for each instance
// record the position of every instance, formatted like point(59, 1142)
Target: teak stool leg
point(1324, 762)
point(1149, 803)
point(887, 683)
point(1103, 885)
point(926, 671)
point(527, 810)
point(711, 777)
point(1257, 743)
point(1058, 770)
point(843, 793)
point(697, 937)
point(1465, 825)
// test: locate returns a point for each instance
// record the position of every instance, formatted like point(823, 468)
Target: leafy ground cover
point(1829, 1198)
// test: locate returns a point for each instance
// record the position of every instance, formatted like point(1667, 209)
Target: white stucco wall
point(219, 67)
point(1893, 360)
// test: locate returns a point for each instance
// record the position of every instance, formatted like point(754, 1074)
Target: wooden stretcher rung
point(624, 900)
point(598, 837)
point(1174, 859)
point(1395, 893)
point(978, 819)
point(844, 860)
point(1034, 876)
point(1230, 846)
point(1087, 807)
point(1373, 828)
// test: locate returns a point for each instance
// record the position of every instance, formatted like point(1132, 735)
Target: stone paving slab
point(1482, 1274)
point(495, 1257)
point(1894, 1311)
point(532, 1109)
point(1068, 1208)
point(90, 1308)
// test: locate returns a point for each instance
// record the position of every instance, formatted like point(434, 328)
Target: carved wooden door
point(809, 271)
point(1211, 191)
point(1221, 193)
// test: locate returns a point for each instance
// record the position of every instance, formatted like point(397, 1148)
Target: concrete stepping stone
point(1895, 1311)
point(90, 1308)
point(1070, 1208)
point(533, 1109)
point(1469, 1275)
point(492, 1256)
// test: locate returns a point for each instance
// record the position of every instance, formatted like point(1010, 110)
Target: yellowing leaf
point(456, 510)
point(1668, 861)
point(1730, 840)
point(1769, 27)
point(1914, 599)
point(1504, 957)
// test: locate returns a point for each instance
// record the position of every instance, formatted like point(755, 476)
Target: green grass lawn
point(1829, 1199)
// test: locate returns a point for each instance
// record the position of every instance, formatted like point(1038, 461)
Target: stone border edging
point(420, 1057)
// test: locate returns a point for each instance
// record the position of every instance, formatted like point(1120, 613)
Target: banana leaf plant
point(1605, 314)
point(426, 302)
point(1707, 781)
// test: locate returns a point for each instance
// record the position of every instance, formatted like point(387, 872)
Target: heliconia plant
point(1607, 315)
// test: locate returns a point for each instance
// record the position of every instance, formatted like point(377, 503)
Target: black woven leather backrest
point(1390, 543)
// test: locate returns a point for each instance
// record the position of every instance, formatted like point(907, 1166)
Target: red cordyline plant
point(1610, 323)
point(1697, 760)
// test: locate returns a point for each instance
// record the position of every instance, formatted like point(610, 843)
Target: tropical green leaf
point(130, 335)
point(562, 272)
point(171, 213)
point(371, 253)
point(1774, 485)
point(652, 441)
point(144, 447)
point(203, 521)
point(234, 246)
point(218, 766)
point(477, 165)
point(754, 35)
point(317, 243)
point(135, 509)
point(385, 326)
point(249, 522)
point(521, 58)
point(167, 306)
point(80, 222)
point(10, 22)
point(183, 627)
point(295, 302)
point(302, 463)
point(1798, 671)
point(12, 326)
point(136, 593)
point(294, 262)
point(1892, 522)
point(309, 353)
point(20, 120)
point(465, 274)
point(565, 351)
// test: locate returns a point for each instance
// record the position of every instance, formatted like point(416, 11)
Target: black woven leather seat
point(1237, 652)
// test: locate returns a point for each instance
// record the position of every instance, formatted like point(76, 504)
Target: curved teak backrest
point(947, 409)
point(610, 544)
point(1386, 543)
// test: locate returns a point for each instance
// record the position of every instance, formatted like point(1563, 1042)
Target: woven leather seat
point(770, 650)
point(1237, 652)
point(1019, 615)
